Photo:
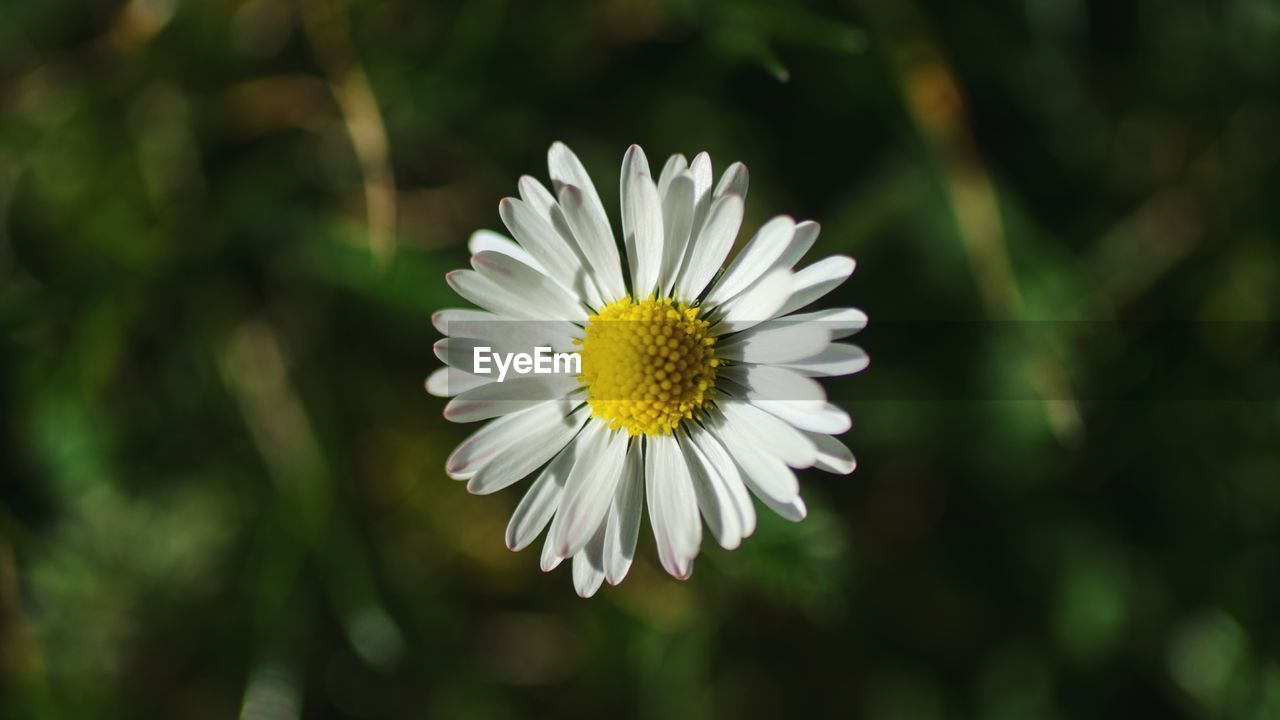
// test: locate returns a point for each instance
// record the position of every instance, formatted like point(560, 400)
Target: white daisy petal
point(588, 565)
point(534, 288)
point(675, 165)
point(634, 163)
point(714, 500)
point(590, 488)
point(755, 260)
point(447, 382)
point(794, 509)
point(506, 300)
point(734, 181)
point(700, 169)
point(500, 435)
point(757, 303)
point(719, 465)
point(778, 344)
point(459, 352)
point(482, 291)
point(623, 525)
point(836, 359)
point(817, 280)
point(540, 200)
point(490, 241)
point(827, 419)
point(642, 225)
point(543, 242)
point(764, 474)
point(525, 455)
point(770, 383)
point(595, 239)
point(673, 506)
point(709, 246)
point(540, 501)
point(536, 196)
point(482, 325)
point(833, 456)
point(770, 434)
point(677, 216)
point(503, 398)
point(442, 319)
point(839, 322)
point(805, 235)
point(549, 560)
point(566, 169)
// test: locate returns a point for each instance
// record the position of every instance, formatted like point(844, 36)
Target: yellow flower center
point(647, 364)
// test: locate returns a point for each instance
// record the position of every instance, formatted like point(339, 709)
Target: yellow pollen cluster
point(647, 364)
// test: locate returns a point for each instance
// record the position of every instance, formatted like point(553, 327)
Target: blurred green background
point(224, 227)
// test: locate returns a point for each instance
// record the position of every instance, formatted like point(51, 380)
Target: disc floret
point(647, 365)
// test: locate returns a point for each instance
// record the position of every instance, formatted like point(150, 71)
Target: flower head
point(692, 387)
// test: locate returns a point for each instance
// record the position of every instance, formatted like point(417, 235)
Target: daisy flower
point(694, 387)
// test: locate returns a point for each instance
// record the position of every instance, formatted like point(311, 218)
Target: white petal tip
point(549, 564)
point(617, 575)
point(456, 467)
point(794, 511)
point(681, 570)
